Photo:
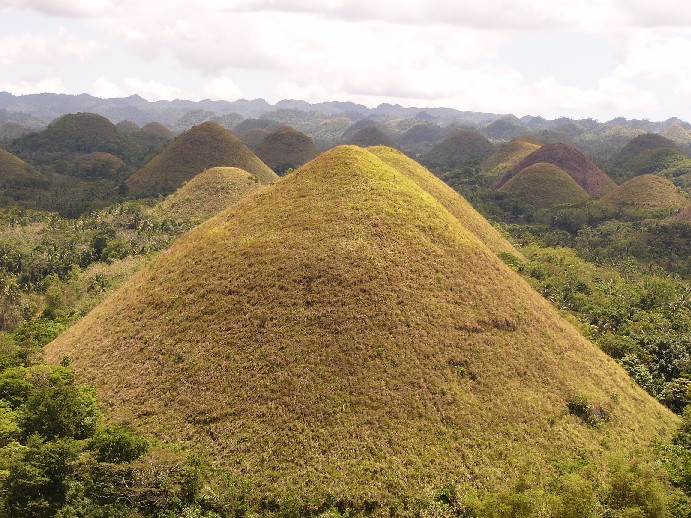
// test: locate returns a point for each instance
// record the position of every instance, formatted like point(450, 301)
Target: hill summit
point(646, 192)
point(545, 185)
point(286, 148)
point(201, 147)
point(342, 339)
point(566, 157)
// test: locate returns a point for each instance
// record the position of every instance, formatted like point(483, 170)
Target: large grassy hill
point(17, 179)
point(252, 138)
point(199, 148)
point(545, 185)
point(342, 340)
point(207, 194)
point(646, 192)
point(286, 148)
point(73, 135)
point(566, 157)
point(510, 154)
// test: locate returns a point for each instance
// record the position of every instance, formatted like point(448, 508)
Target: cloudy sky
point(578, 58)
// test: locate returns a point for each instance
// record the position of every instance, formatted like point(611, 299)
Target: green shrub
point(117, 444)
point(593, 415)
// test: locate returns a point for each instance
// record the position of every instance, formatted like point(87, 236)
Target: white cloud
point(34, 85)
point(105, 89)
point(72, 8)
point(150, 90)
point(42, 49)
point(223, 88)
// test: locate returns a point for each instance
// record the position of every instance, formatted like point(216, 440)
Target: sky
point(573, 58)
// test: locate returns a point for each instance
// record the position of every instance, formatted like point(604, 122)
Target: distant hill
point(371, 136)
point(646, 192)
point(464, 148)
point(128, 127)
point(99, 165)
point(17, 177)
point(204, 146)
point(328, 348)
point(421, 137)
point(12, 130)
point(647, 153)
point(252, 138)
point(207, 194)
point(566, 157)
point(545, 185)
point(286, 148)
point(506, 128)
point(510, 154)
point(73, 135)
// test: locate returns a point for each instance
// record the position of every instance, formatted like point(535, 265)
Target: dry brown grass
point(201, 147)
point(545, 185)
point(510, 154)
point(343, 337)
point(646, 192)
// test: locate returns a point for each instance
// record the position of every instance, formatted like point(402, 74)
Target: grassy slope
point(254, 137)
point(647, 153)
point(286, 148)
point(450, 199)
point(584, 172)
point(545, 185)
point(647, 192)
point(12, 167)
point(464, 148)
point(203, 146)
point(510, 154)
point(341, 336)
point(207, 194)
point(371, 136)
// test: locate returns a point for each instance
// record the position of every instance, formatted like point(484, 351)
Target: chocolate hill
point(16, 176)
point(371, 136)
point(545, 185)
point(252, 138)
point(199, 148)
point(646, 192)
point(566, 157)
point(343, 339)
point(286, 148)
point(647, 153)
point(464, 148)
point(207, 194)
point(510, 154)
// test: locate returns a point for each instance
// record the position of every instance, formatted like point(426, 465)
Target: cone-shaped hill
point(252, 138)
point(566, 157)
point(286, 148)
point(75, 134)
point(99, 165)
point(545, 185)
point(647, 153)
point(464, 148)
point(342, 337)
point(371, 136)
point(199, 148)
point(646, 192)
point(207, 194)
point(510, 154)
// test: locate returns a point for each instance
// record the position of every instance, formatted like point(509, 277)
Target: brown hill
point(199, 148)
point(586, 174)
point(371, 136)
point(464, 148)
point(99, 165)
point(510, 154)
point(646, 192)
point(207, 194)
point(647, 153)
point(128, 127)
point(342, 338)
point(252, 138)
point(286, 148)
point(545, 185)
point(17, 179)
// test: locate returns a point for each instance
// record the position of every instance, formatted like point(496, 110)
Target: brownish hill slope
point(545, 185)
point(252, 138)
point(510, 154)
point(199, 148)
point(464, 148)
point(371, 136)
point(342, 337)
point(286, 148)
point(207, 194)
point(566, 157)
point(647, 153)
point(646, 192)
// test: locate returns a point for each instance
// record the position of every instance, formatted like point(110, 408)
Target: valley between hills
point(238, 309)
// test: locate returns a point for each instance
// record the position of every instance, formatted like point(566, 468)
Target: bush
point(117, 445)
point(593, 415)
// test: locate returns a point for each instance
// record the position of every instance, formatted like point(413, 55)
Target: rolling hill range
point(464, 148)
point(199, 148)
point(566, 157)
point(207, 194)
point(646, 192)
point(286, 148)
point(341, 338)
point(73, 135)
point(545, 185)
point(647, 153)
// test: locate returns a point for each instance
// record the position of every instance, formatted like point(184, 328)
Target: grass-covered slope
point(342, 339)
point(286, 148)
point(510, 154)
point(464, 148)
point(644, 154)
point(566, 157)
point(646, 192)
point(17, 179)
point(545, 185)
point(207, 194)
point(371, 136)
point(199, 148)
point(450, 199)
point(252, 138)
